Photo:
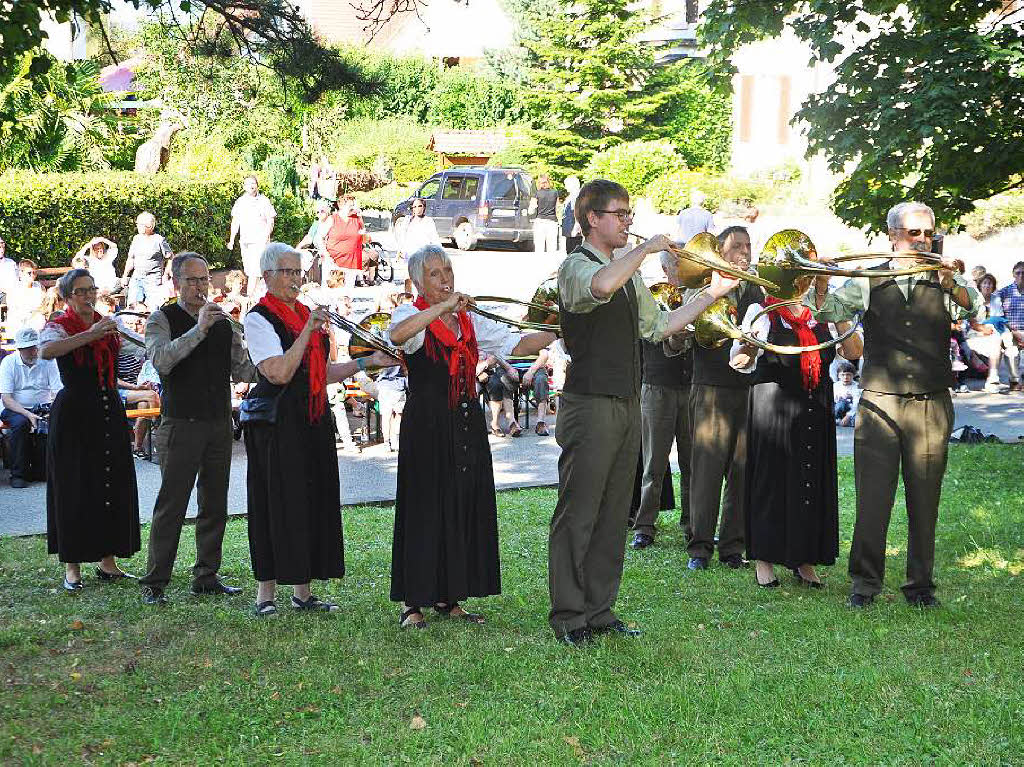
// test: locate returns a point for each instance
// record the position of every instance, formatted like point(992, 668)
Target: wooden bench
point(145, 412)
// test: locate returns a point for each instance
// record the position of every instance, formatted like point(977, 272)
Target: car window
point(429, 189)
point(469, 189)
point(502, 187)
point(454, 187)
point(525, 183)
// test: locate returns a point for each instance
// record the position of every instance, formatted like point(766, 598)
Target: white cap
point(26, 337)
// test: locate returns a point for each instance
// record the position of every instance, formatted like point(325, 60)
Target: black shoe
point(734, 561)
point(697, 563)
point(772, 584)
point(314, 604)
point(641, 541)
point(630, 523)
point(266, 609)
point(18, 482)
point(858, 601)
point(103, 575)
point(214, 587)
point(618, 627)
point(577, 637)
point(806, 581)
point(71, 585)
point(923, 600)
point(152, 595)
point(405, 622)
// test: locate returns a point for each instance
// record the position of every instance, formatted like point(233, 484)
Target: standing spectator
point(25, 383)
point(345, 240)
point(8, 271)
point(196, 352)
point(252, 222)
point(545, 225)
point(100, 254)
point(92, 500)
point(695, 219)
point(571, 230)
point(846, 396)
point(321, 180)
point(312, 245)
point(1012, 299)
point(146, 267)
point(417, 230)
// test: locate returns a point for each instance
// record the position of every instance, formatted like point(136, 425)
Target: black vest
point(199, 386)
point(711, 366)
point(906, 342)
point(604, 344)
point(661, 370)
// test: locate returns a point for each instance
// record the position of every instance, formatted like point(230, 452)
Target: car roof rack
point(457, 168)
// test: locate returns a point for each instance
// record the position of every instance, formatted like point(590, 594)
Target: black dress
point(445, 546)
point(792, 496)
point(294, 498)
point(92, 500)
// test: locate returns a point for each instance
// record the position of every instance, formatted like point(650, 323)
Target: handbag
point(254, 410)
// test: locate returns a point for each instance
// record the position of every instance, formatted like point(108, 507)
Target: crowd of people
point(630, 381)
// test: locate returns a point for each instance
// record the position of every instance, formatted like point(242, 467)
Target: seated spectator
point(100, 254)
point(977, 272)
point(233, 299)
point(390, 390)
point(135, 394)
point(80, 262)
point(501, 382)
point(52, 306)
point(26, 296)
point(106, 304)
point(26, 382)
point(536, 378)
point(1012, 299)
point(846, 392)
point(990, 336)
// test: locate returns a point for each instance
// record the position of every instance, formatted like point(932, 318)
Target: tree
point(63, 123)
point(586, 79)
point(928, 100)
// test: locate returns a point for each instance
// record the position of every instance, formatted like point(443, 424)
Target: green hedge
point(48, 217)
point(635, 164)
point(669, 193)
point(992, 215)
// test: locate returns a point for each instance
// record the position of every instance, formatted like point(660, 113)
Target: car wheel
point(465, 237)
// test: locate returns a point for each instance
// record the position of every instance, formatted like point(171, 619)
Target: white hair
point(668, 259)
point(572, 184)
point(418, 260)
point(898, 212)
point(273, 253)
point(146, 217)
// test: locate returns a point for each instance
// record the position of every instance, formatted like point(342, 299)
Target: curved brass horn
point(701, 256)
point(667, 295)
point(541, 310)
point(788, 260)
point(717, 325)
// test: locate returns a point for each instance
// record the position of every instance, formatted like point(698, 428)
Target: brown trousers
point(718, 418)
point(664, 417)
point(895, 431)
point(189, 450)
point(600, 439)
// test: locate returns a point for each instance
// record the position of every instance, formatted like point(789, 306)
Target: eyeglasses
point(85, 291)
point(624, 215)
point(196, 281)
point(917, 232)
point(293, 273)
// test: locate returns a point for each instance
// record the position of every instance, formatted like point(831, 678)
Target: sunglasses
point(624, 215)
point(85, 291)
point(917, 232)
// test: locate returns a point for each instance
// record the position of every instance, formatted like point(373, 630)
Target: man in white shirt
point(8, 273)
point(252, 222)
point(693, 220)
point(25, 382)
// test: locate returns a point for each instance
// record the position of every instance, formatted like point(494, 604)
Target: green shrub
point(465, 99)
point(671, 192)
point(385, 198)
point(989, 216)
point(47, 217)
point(635, 164)
point(199, 153)
point(282, 178)
point(395, 146)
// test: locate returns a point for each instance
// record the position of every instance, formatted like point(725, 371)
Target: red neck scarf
point(104, 350)
point(803, 324)
point(460, 354)
point(313, 358)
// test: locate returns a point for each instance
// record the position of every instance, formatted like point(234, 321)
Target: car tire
point(464, 236)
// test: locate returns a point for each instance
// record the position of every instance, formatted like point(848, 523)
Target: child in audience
point(847, 396)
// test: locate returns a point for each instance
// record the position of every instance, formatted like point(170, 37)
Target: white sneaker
point(994, 387)
point(963, 389)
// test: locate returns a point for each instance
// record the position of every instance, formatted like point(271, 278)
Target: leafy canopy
point(928, 100)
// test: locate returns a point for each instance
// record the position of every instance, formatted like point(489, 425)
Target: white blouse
point(492, 337)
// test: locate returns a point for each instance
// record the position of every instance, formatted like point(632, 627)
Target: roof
point(337, 21)
point(476, 143)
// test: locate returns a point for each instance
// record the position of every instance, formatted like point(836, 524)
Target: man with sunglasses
point(906, 413)
point(197, 352)
point(604, 311)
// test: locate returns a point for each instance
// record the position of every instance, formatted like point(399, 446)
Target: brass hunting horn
point(541, 310)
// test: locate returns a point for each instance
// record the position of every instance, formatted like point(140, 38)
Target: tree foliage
point(928, 100)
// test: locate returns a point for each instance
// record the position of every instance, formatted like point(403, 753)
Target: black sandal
point(446, 610)
point(807, 581)
point(405, 623)
point(266, 609)
point(314, 604)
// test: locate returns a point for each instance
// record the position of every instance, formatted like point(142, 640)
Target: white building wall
point(64, 41)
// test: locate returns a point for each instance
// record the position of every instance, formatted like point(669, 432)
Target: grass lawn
point(724, 671)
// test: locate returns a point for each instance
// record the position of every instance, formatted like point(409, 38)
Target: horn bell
point(701, 257)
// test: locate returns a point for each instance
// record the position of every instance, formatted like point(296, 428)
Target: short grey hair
point(66, 282)
point(273, 253)
point(179, 261)
point(668, 259)
point(146, 216)
point(418, 260)
point(898, 212)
